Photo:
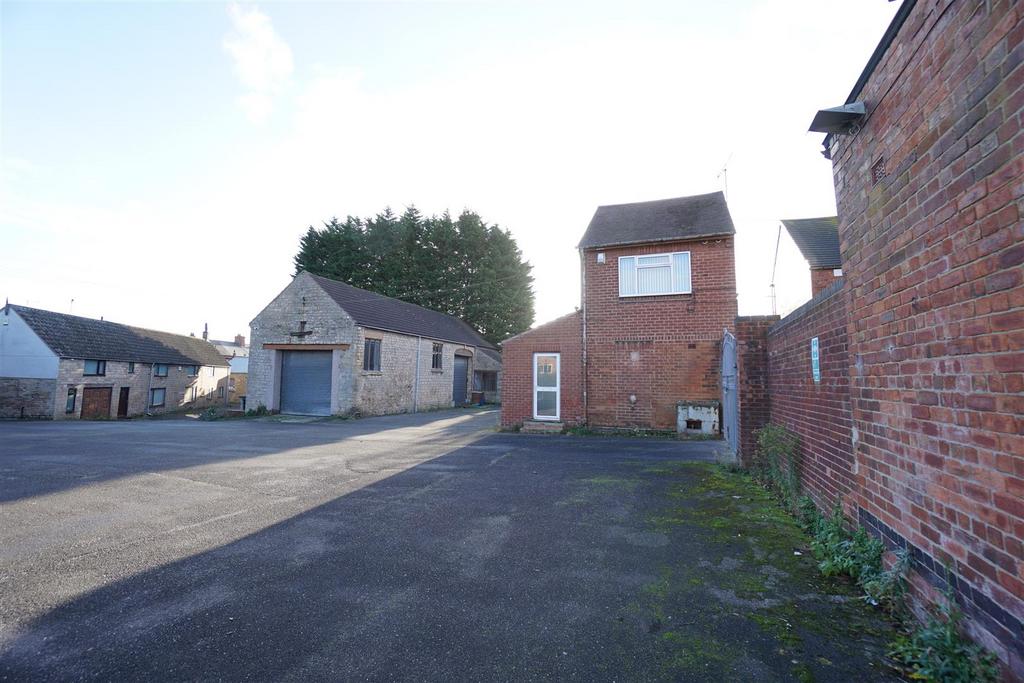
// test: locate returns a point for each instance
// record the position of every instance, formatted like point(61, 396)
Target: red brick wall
point(933, 255)
point(752, 380)
point(564, 336)
point(658, 349)
point(819, 412)
point(820, 279)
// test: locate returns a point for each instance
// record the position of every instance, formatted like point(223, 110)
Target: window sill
point(644, 296)
point(437, 372)
point(372, 373)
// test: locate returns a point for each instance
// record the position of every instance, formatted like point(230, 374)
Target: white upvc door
point(546, 386)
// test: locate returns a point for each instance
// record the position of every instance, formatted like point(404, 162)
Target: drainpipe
point(149, 390)
point(583, 306)
point(416, 381)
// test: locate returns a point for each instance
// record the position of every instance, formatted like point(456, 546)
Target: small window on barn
point(371, 355)
point(131, 368)
point(96, 367)
point(878, 171)
point(160, 370)
point(69, 406)
point(654, 274)
point(193, 370)
point(157, 397)
point(436, 360)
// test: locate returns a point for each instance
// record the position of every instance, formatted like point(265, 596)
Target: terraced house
point(323, 347)
point(59, 366)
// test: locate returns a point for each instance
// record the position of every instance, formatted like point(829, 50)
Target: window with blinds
point(654, 274)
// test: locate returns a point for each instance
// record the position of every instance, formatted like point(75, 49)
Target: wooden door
point(122, 403)
point(96, 402)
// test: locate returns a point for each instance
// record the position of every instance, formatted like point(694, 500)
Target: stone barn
point(323, 347)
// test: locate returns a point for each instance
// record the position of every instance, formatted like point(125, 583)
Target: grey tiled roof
point(817, 239)
point(702, 215)
point(380, 312)
point(72, 336)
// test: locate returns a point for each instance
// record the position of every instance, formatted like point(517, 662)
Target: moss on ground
point(750, 594)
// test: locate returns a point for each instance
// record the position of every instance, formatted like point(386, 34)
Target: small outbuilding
point(323, 347)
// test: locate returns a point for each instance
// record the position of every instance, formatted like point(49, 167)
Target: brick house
point(323, 347)
point(912, 410)
point(818, 241)
point(658, 290)
point(58, 366)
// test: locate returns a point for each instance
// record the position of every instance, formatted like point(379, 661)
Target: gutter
point(689, 238)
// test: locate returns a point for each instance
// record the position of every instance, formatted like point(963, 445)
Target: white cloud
point(262, 60)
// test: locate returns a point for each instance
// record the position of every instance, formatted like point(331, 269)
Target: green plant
point(211, 413)
point(260, 411)
point(777, 462)
point(888, 588)
point(938, 652)
point(857, 555)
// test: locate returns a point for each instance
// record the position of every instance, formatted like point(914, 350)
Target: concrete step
point(542, 427)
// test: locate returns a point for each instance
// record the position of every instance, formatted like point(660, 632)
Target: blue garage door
point(306, 382)
point(461, 378)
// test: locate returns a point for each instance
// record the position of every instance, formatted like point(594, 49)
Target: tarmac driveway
point(421, 547)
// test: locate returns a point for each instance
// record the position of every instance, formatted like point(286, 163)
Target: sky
point(160, 161)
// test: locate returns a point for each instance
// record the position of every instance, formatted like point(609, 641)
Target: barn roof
point(380, 312)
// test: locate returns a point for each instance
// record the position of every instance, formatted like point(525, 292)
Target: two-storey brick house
point(658, 290)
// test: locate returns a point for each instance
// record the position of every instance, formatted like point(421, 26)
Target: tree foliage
point(460, 266)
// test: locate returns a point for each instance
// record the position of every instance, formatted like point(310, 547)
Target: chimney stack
point(239, 340)
point(206, 332)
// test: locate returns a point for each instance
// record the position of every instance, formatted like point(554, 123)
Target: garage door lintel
point(306, 347)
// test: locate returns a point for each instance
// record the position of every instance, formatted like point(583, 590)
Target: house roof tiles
point(817, 239)
point(663, 220)
point(72, 336)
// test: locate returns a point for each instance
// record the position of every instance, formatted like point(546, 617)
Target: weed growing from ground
point(935, 651)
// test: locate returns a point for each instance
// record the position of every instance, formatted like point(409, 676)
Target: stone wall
point(563, 336)
point(326, 323)
point(179, 384)
point(391, 389)
point(26, 397)
point(646, 353)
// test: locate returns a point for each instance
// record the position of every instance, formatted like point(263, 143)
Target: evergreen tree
point(463, 267)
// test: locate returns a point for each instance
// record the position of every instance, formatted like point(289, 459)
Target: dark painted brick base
point(976, 604)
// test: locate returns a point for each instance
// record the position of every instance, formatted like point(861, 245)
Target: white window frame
point(557, 389)
point(672, 273)
point(163, 401)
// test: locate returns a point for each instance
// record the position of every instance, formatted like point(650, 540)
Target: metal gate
point(730, 397)
point(306, 382)
point(461, 378)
